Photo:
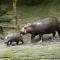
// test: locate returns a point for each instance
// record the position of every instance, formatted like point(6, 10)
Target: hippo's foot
point(20, 43)
point(8, 45)
point(53, 38)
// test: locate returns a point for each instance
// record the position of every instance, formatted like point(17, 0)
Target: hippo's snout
point(23, 31)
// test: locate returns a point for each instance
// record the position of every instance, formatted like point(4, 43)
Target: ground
point(46, 50)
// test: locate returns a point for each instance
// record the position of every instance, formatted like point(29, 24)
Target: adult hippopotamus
point(47, 25)
point(13, 37)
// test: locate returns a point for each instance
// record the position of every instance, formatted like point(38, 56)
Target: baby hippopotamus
point(13, 37)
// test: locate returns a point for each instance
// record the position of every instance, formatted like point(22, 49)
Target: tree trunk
point(15, 14)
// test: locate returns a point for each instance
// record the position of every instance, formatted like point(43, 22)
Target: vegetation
point(27, 13)
point(50, 52)
point(30, 2)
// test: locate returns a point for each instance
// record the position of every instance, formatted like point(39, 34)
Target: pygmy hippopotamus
point(13, 37)
point(47, 25)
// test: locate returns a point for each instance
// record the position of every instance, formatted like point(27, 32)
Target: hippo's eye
point(25, 27)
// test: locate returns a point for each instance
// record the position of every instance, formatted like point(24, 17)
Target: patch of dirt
point(48, 40)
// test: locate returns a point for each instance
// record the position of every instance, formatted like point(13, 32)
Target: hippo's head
point(7, 38)
point(26, 29)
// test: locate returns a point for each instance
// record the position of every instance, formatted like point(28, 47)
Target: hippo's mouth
point(23, 33)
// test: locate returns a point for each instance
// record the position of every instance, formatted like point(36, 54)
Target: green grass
point(32, 13)
point(38, 11)
point(50, 52)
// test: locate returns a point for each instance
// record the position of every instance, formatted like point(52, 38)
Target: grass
point(26, 12)
point(34, 13)
point(50, 52)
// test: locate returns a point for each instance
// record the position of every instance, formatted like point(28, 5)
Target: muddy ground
point(47, 40)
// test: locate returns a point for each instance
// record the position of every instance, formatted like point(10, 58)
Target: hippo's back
point(46, 25)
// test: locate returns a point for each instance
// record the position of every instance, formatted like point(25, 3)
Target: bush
point(29, 2)
point(36, 2)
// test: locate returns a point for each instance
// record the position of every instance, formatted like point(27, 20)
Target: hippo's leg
point(40, 36)
point(58, 30)
point(22, 41)
point(17, 42)
point(32, 37)
point(54, 35)
point(7, 43)
point(10, 42)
